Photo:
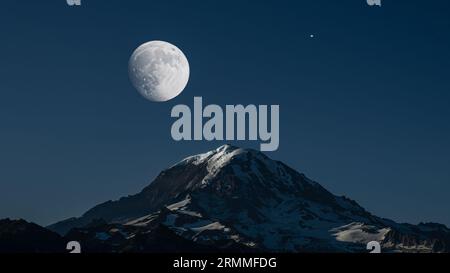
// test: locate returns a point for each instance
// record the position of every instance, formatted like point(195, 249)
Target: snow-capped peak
point(223, 153)
point(243, 197)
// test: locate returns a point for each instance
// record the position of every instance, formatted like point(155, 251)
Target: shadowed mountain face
point(232, 198)
point(17, 236)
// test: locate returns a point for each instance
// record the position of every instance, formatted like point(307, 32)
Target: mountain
point(17, 236)
point(235, 199)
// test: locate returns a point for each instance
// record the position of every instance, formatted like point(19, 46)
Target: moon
point(159, 71)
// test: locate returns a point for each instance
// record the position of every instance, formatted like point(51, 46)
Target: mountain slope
point(19, 236)
point(232, 196)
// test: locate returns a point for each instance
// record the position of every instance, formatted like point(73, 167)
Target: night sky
point(364, 102)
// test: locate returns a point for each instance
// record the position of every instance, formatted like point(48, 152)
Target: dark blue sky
point(364, 104)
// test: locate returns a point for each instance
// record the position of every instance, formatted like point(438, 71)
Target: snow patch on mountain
point(359, 233)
